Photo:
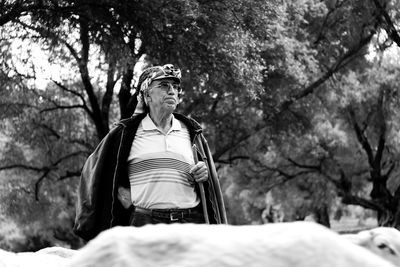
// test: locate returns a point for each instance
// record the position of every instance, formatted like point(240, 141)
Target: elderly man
point(145, 171)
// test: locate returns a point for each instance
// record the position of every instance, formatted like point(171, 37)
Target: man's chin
point(170, 106)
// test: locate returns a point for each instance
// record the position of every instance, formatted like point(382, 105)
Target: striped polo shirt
point(158, 167)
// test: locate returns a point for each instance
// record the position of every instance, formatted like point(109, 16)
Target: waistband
point(172, 214)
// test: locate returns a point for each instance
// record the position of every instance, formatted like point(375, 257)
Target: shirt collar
point(148, 124)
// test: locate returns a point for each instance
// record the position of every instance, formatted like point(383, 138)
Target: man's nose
point(171, 90)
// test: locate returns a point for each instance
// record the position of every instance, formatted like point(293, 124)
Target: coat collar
point(134, 121)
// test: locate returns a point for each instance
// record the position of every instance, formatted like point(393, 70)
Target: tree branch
point(340, 63)
point(127, 104)
point(70, 155)
point(49, 129)
point(389, 171)
point(284, 177)
point(107, 97)
point(14, 12)
point(69, 174)
point(361, 137)
point(368, 204)
point(38, 182)
point(63, 107)
point(382, 132)
point(23, 166)
point(64, 88)
point(46, 170)
point(390, 29)
point(305, 166)
point(101, 128)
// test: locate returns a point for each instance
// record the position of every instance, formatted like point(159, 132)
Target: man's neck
point(162, 121)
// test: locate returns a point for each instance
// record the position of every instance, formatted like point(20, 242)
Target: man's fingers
point(124, 196)
point(200, 166)
point(199, 172)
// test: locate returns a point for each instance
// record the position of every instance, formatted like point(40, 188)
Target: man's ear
point(146, 98)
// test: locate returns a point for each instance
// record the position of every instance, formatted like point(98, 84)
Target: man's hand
point(124, 196)
point(199, 172)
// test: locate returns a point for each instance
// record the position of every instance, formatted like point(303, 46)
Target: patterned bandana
point(157, 73)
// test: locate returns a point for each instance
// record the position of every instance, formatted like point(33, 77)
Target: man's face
point(163, 95)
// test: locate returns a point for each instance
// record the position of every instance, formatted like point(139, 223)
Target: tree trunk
point(385, 218)
point(322, 215)
point(126, 106)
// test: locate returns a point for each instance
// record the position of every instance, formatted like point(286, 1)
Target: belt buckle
point(177, 217)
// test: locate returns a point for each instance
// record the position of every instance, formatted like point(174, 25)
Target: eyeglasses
point(166, 85)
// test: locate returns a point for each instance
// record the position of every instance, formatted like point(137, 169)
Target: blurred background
point(299, 100)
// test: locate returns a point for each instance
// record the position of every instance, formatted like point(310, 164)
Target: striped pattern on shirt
point(160, 181)
point(148, 171)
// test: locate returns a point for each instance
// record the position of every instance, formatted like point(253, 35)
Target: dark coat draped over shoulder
point(106, 169)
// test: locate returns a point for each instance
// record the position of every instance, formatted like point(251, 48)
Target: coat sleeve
point(214, 188)
point(90, 191)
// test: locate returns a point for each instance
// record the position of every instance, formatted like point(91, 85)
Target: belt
point(172, 214)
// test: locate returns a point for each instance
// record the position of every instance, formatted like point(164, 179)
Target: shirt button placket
point(167, 147)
